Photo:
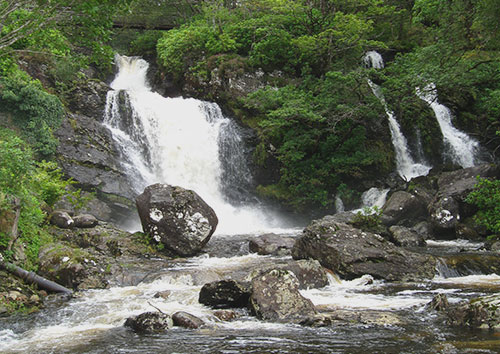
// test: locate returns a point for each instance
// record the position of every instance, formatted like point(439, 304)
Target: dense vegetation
point(317, 116)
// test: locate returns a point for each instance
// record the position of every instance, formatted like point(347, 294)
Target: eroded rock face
point(225, 294)
point(176, 217)
point(149, 322)
point(276, 297)
point(352, 253)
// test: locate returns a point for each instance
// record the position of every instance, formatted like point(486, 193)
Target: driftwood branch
point(32, 278)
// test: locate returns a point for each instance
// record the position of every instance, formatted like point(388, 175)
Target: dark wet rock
point(482, 312)
point(403, 236)
point(176, 217)
point(276, 297)
point(225, 315)
point(149, 322)
point(403, 207)
point(465, 232)
point(163, 294)
point(89, 98)
point(186, 320)
point(366, 317)
point(352, 253)
point(61, 219)
point(424, 229)
point(85, 221)
point(272, 244)
point(444, 216)
point(464, 263)
point(225, 294)
point(439, 303)
point(309, 273)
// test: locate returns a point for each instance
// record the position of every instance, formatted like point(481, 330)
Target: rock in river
point(149, 322)
point(276, 297)
point(176, 217)
point(351, 253)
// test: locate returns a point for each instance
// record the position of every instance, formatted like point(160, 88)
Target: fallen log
point(32, 278)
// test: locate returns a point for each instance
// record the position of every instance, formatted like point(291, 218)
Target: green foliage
point(36, 112)
point(368, 219)
point(486, 197)
point(35, 185)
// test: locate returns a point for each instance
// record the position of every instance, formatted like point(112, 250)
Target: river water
point(190, 143)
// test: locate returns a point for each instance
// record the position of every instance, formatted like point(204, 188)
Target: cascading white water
point(180, 142)
point(407, 168)
point(460, 147)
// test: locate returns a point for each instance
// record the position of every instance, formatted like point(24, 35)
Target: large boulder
point(186, 320)
point(352, 253)
point(448, 207)
point(176, 217)
point(225, 294)
point(403, 236)
point(149, 322)
point(276, 297)
point(403, 207)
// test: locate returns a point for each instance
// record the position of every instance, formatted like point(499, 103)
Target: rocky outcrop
point(403, 206)
point(186, 320)
point(272, 244)
point(176, 217)
point(275, 297)
point(483, 312)
point(149, 322)
point(225, 294)
point(352, 253)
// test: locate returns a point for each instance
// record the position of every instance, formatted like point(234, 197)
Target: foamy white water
point(406, 167)
point(460, 147)
point(182, 142)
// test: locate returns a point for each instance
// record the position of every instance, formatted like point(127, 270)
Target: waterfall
point(182, 142)
point(406, 167)
point(460, 148)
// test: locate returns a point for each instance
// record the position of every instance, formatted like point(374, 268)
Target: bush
point(36, 112)
point(486, 196)
point(35, 185)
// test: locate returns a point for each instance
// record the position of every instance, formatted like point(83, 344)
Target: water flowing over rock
point(461, 148)
point(275, 297)
point(176, 217)
point(352, 253)
point(405, 164)
point(182, 142)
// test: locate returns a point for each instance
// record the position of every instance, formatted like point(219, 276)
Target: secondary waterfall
point(406, 167)
point(460, 147)
point(183, 142)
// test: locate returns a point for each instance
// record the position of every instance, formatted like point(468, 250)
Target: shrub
point(486, 196)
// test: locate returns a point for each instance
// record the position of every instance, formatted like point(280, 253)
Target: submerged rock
point(149, 322)
point(186, 320)
point(276, 297)
point(352, 253)
point(176, 217)
point(225, 294)
point(225, 315)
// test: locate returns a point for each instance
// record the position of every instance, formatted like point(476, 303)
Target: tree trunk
point(33, 278)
